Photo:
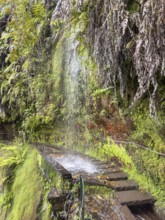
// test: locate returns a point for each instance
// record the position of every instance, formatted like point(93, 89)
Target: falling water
point(73, 82)
point(70, 70)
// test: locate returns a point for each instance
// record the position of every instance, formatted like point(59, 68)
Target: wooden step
point(134, 197)
point(94, 182)
point(123, 185)
point(114, 176)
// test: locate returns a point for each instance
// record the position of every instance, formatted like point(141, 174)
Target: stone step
point(134, 198)
point(114, 176)
point(123, 185)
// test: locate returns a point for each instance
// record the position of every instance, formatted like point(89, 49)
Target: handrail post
point(81, 213)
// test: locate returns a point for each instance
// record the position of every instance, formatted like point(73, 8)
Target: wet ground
point(76, 164)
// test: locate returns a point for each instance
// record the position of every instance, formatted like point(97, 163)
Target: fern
point(22, 31)
point(38, 11)
point(12, 155)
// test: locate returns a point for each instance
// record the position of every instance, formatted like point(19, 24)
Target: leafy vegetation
point(17, 42)
point(147, 130)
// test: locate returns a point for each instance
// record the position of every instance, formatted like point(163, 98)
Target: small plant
point(100, 92)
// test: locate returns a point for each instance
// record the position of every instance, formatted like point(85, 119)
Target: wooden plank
point(123, 185)
point(134, 197)
point(114, 176)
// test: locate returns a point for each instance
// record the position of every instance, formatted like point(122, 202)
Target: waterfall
point(73, 83)
point(70, 76)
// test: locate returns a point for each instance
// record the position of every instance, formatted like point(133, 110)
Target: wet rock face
point(62, 10)
point(115, 127)
point(50, 4)
point(126, 45)
point(3, 22)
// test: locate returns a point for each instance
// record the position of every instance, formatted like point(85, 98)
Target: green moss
point(29, 180)
point(27, 189)
point(147, 129)
point(133, 6)
point(51, 177)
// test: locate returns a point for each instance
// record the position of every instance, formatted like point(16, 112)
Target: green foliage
point(38, 11)
point(11, 158)
point(23, 30)
point(109, 150)
point(101, 92)
point(17, 43)
point(34, 124)
point(133, 6)
point(147, 129)
point(12, 155)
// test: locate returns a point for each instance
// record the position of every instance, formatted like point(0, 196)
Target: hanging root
point(116, 32)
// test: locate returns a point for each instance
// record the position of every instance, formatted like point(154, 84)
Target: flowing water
point(75, 164)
